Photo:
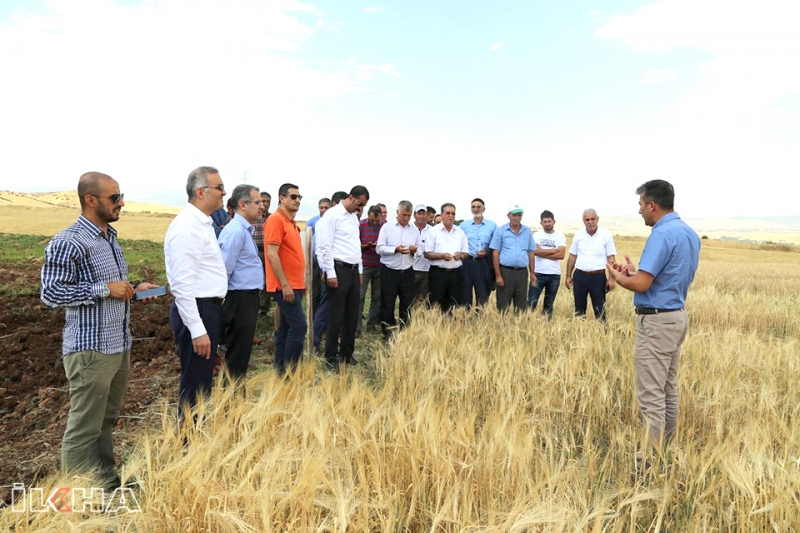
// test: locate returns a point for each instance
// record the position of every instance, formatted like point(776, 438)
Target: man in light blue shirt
point(512, 255)
point(666, 269)
point(478, 273)
point(245, 279)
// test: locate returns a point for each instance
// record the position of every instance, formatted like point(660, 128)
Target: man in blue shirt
point(666, 269)
point(478, 273)
point(512, 255)
point(245, 279)
point(85, 272)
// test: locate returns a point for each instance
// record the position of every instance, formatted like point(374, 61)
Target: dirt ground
point(34, 394)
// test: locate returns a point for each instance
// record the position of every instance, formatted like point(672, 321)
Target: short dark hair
point(479, 200)
point(659, 192)
point(324, 201)
point(547, 214)
point(230, 204)
point(431, 210)
point(284, 190)
point(240, 194)
point(359, 190)
point(448, 204)
point(374, 210)
point(381, 205)
point(265, 193)
point(338, 196)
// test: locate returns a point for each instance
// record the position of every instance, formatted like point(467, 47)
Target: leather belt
point(345, 265)
point(591, 272)
point(212, 300)
point(514, 268)
point(654, 311)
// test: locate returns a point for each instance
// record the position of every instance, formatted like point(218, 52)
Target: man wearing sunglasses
point(339, 255)
point(199, 281)
point(85, 272)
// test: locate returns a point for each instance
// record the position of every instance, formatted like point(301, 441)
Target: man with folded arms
point(339, 255)
point(245, 279)
point(591, 249)
point(660, 285)
point(398, 242)
point(286, 277)
point(445, 248)
point(551, 246)
point(199, 281)
point(512, 255)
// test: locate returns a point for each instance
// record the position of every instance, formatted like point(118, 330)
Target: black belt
point(251, 291)
point(654, 311)
point(448, 270)
point(345, 265)
point(476, 258)
point(213, 300)
point(591, 272)
point(514, 268)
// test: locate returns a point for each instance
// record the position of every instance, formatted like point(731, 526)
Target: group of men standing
point(216, 283)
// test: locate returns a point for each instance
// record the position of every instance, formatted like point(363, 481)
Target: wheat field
point(478, 423)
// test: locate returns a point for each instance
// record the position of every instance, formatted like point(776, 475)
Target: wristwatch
point(106, 291)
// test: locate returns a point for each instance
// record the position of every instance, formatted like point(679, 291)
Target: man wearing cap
point(551, 246)
point(398, 242)
point(445, 248)
point(478, 272)
point(667, 268)
point(512, 255)
point(591, 249)
point(421, 265)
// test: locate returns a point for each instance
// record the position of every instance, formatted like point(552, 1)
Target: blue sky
point(557, 105)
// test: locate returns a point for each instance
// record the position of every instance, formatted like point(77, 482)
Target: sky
point(547, 104)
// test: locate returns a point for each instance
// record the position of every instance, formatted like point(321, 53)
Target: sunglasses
point(295, 196)
point(360, 204)
point(115, 198)
point(219, 187)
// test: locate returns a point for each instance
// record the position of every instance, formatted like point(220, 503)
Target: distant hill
point(69, 200)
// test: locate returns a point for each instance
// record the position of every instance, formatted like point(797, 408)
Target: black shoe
point(331, 366)
point(350, 360)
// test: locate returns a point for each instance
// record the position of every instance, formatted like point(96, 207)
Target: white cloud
point(658, 76)
point(374, 9)
point(495, 47)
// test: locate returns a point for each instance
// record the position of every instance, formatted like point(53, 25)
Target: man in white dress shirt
point(445, 247)
point(339, 255)
point(592, 248)
point(199, 281)
point(398, 242)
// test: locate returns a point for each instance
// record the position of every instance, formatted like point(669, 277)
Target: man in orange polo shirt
point(286, 268)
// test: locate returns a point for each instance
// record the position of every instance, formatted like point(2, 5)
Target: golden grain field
point(478, 423)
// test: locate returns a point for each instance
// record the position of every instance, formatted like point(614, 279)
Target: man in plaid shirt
point(85, 272)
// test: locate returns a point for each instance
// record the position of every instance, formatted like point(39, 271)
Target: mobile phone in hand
point(150, 293)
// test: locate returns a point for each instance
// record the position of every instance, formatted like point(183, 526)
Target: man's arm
point(324, 230)
point(570, 268)
point(277, 269)
point(628, 277)
point(610, 282)
point(230, 244)
point(532, 267)
point(383, 247)
point(498, 277)
point(60, 283)
point(550, 253)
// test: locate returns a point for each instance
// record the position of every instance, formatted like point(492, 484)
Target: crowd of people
point(224, 266)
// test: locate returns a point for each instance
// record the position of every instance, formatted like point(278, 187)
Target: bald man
point(85, 273)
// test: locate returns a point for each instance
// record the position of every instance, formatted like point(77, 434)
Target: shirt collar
point(92, 228)
point(195, 211)
point(666, 218)
point(243, 222)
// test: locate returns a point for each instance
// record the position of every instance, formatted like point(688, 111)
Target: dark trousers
point(446, 286)
point(291, 334)
point(394, 284)
point(420, 286)
point(371, 276)
point(239, 317)
point(196, 371)
point(514, 289)
point(593, 285)
point(478, 276)
point(320, 325)
point(342, 314)
point(263, 296)
point(316, 285)
point(548, 283)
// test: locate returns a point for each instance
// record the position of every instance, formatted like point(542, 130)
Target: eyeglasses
point(253, 202)
point(115, 198)
point(219, 187)
point(295, 196)
point(360, 204)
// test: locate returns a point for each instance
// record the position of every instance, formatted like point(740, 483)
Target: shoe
point(256, 341)
point(330, 366)
point(350, 360)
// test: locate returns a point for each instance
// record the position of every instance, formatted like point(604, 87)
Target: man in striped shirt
point(85, 272)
